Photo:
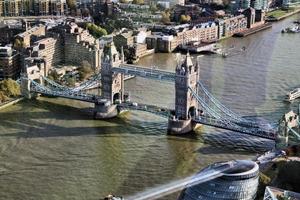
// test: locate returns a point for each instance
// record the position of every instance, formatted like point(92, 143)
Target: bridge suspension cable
point(83, 86)
point(223, 109)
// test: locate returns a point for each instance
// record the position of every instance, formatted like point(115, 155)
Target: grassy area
point(280, 12)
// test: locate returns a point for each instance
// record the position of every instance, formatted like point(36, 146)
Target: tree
point(10, 88)
point(95, 30)
point(165, 17)
point(53, 75)
point(71, 4)
point(71, 81)
point(85, 70)
point(3, 97)
point(185, 18)
point(18, 43)
point(138, 2)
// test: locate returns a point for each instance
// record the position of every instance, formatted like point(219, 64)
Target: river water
point(51, 149)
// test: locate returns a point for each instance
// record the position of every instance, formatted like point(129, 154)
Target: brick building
point(67, 44)
point(175, 36)
point(10, 66)
point(231, 25)
point(32, 7)
point(25, 37)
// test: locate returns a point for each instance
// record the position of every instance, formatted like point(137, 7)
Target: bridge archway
point(116, 98)
point(192, 112)
point(37, 80)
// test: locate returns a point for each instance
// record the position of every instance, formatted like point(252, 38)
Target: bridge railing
point(36, 87)
point(145, 72)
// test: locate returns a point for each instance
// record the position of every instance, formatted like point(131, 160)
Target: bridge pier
point(105, 110)
point(179, 127)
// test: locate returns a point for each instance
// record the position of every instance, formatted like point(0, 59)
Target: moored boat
point(293, 94)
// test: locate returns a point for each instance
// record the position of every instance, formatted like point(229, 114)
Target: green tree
point(85, 70)
point(71, 4)
point(165, 17)
point(95, 30)
point(10, 88)
point(153, 8)
point(185, 18)
point(3, 97)
point(71, 81)
point(138, 2)
point(18, 43)
point(53, 75)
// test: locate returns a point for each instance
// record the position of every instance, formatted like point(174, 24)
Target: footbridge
point(194, 104)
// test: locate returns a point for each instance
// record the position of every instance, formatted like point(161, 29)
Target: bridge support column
point(25, 88)
point(178, 127)
point(105, 110)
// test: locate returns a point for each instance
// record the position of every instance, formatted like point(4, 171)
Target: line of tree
point(95, 30)
point(9, 88)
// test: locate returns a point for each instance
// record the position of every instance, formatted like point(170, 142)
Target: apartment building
point(10, 66)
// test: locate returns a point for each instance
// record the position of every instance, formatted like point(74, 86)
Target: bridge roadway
point(164, 112)
point(149, 73)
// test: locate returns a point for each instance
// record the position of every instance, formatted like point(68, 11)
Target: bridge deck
point(145, 72)
point(164, 112)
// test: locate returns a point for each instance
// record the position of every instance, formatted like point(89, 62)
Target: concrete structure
point(239, 182)
point(10, 66)
point(272, 193)
point(254, 17)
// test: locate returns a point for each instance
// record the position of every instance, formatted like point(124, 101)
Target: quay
point(274, 19)
point(253, 30)
point(10, 103)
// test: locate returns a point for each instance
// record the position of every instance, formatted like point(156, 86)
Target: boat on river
point(199, 47)
point(293, 94)
point(113, 197)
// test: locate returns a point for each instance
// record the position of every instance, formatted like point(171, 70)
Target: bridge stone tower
point(112, 83)
point(186, 106)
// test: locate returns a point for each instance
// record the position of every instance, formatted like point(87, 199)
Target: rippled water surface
point(51, 149)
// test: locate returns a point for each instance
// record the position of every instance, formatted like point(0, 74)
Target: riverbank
point(253, 30)
point(280, 14)
point(10, 102)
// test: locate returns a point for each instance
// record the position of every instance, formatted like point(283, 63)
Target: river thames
point(52, 149)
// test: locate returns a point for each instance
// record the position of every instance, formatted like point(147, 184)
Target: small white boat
point(293, 94)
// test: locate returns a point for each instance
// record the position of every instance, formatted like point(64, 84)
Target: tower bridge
point(193, 103)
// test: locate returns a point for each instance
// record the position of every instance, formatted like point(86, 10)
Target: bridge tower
point(187, 76)
point(112, 83)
